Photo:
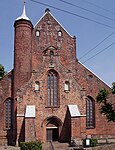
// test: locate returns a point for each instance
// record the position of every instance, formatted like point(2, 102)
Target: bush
point(94, 142)
point(35, 145)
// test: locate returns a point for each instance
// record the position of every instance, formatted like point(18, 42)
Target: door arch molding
point(53, 119)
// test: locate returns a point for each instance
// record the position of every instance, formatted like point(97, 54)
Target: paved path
point(57, 146)
point(9, 148)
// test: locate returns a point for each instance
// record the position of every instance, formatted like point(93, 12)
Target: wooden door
point(49, 134)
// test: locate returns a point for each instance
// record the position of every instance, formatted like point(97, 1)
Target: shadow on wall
point(9, 137)
point(22, 133)
point(65, 135)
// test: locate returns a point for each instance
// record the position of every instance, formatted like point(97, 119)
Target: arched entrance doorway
point(53, 127)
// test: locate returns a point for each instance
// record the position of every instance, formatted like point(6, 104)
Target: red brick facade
point(52, 51)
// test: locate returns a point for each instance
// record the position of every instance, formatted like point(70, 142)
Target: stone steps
point(61, 146)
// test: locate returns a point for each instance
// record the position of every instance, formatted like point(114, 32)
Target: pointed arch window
point(52, 89)
point(8, 112)
point(90, 112)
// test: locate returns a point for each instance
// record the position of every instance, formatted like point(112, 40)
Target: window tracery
point(90, 112)
point(8, 111)
point(52, 88)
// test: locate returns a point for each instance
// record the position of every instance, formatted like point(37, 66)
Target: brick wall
point(32, 63)
point(5, 92)
point(22, 52)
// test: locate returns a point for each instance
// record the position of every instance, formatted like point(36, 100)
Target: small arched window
point(37, 33)
point(37, 86)
point(8, 112)
point(67, 86)
point(59, 33)
point(90, 112)
point(52, 89)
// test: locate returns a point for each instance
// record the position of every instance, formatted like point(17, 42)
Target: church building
point(49, 94)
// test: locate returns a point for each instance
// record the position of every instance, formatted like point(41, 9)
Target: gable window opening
point(8, 111)
point(52, 89)
point(37, 86)
point(45, 52)
point(67, 86)
point(37, 33)
point(90, 111)
point(59, 33)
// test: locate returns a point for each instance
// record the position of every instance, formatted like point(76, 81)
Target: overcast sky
point(91, 21)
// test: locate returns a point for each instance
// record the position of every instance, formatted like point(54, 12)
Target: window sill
point(6, 129)
point(36, 91)
point(90, 127)
point(52, 107)
point(66, 91)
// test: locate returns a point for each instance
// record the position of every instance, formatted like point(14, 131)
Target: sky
point(91, 21)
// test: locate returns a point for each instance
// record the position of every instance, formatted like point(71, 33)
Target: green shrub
point(94, 142)
point(35, 145)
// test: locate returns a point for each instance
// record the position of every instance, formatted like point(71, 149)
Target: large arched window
point(8, 111)
point(52, 88)
point(90, 112)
